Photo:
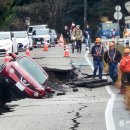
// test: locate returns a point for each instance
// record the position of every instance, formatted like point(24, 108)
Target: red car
point(25, 78)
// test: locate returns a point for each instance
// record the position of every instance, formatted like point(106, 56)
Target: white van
point(31, 28)
point(8, 43)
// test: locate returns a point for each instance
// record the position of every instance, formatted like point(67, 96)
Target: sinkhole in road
point(75, 78)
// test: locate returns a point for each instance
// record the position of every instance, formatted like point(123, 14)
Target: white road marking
point(109, 109)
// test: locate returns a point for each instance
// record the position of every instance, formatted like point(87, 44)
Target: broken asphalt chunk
point(60, 93)
point(75, 90)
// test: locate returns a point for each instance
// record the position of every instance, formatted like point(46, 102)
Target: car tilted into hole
point(25, 78)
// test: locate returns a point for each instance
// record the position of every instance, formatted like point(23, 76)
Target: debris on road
point(75, 89)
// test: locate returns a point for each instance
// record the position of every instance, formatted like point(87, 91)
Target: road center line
point(108, 113)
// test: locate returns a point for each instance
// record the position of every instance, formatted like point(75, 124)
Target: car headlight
point(36, 94)
point(11, 71)
point(47, 36)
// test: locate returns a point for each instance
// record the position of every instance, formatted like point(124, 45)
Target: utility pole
point(85, 12)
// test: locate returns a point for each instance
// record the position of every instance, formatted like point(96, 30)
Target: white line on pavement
point(108, 113)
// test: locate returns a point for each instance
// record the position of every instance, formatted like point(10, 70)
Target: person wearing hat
point(112, 57)
point(125, 70)
point(97, 52)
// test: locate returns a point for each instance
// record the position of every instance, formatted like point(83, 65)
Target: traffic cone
point(45, 48)
point(27, 52)
point(66, 52)
point(7, 57)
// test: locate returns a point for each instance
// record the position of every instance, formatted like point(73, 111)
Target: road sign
point(118, 8)
point(118, 15)
point(127, 6)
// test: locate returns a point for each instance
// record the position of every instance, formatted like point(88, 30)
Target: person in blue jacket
point(97, 54)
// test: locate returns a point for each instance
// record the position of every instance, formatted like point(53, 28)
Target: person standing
point(125, 70)
point(97, 54)
point(113, 33)
point(72, 37)
point(78, 36)
point(112, 57)
point(87, 33)
point(66, 34)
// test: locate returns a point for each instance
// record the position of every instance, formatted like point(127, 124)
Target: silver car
point(41, 36)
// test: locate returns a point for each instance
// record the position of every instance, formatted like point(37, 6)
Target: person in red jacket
point(125, 69)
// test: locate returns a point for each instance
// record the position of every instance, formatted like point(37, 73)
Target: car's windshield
point(4, 36)
point(42, 32)
point(33, 69)
point(39, 27)
point(20, 35)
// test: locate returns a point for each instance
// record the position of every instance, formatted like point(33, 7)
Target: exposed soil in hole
point(57, 80)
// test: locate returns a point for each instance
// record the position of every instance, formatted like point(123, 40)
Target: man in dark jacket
point(112, 57)
point(97, 53)
point(66, 34)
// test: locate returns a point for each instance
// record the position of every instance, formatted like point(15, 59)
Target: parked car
point(23, 40)
point(25, 78)
point(53, 36)
point(8, 43)
point(40, 36)
point(31, 28)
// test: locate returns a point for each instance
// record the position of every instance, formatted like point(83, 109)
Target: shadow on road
point(7, 108)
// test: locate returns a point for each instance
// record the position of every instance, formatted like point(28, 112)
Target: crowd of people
point(75, 36)
point(115, 60)
point(112, 57)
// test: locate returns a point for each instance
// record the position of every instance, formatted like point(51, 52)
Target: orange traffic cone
point(27, 52)
point(66, 52)
point(7, 57)
point(45, 48)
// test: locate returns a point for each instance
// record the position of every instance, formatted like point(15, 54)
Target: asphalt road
point(82, 110)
